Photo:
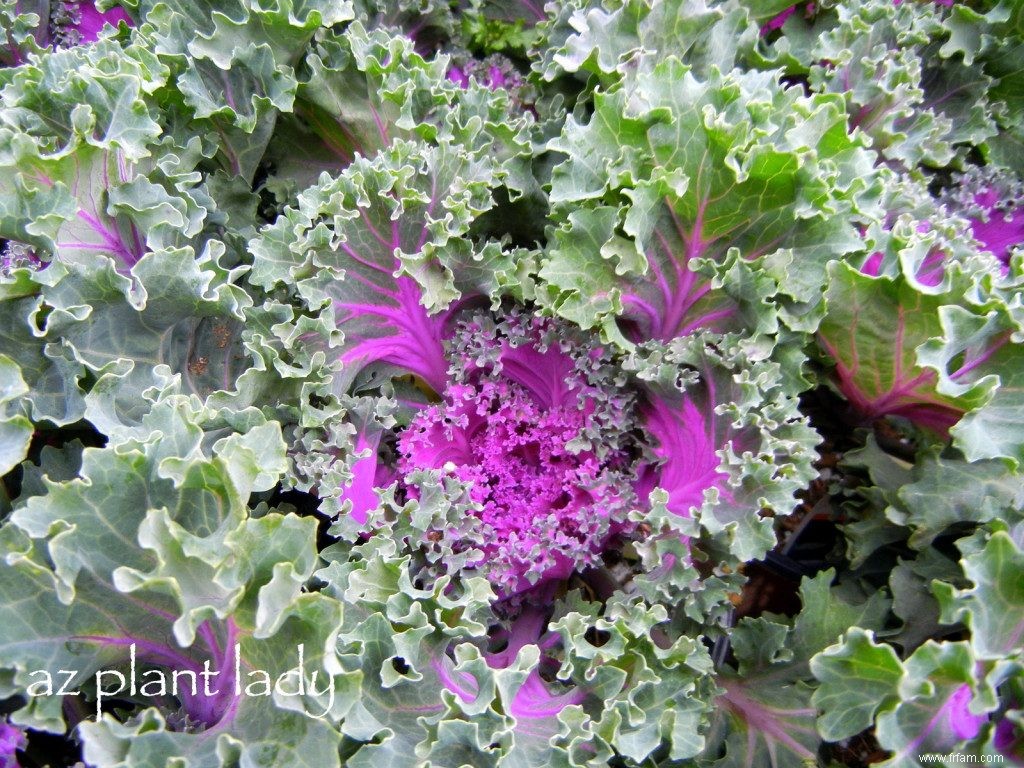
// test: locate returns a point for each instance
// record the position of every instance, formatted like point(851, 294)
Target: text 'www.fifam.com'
point(959, 758)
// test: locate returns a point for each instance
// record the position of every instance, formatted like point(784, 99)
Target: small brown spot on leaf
point(221, 335)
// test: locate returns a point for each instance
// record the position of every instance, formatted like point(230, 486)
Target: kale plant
point(482, 383)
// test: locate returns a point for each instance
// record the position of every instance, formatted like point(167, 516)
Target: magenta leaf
point(992, 201)
point(771, 724)
point(115, 208)
point(533, 700)
point(376, 244)
point(871, 332)
point(698, 193)
point(938, 712)
point(686, 443)
point(78, 22)
point(368, 470)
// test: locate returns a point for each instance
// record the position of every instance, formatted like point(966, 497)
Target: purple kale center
point(993, 202)
point(15, 255)
point(12, 739)
point(77, 22)
point(519, 425)
point(999, 226)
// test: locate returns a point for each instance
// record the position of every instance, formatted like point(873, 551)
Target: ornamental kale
point(631, 383)
point(548, 452)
